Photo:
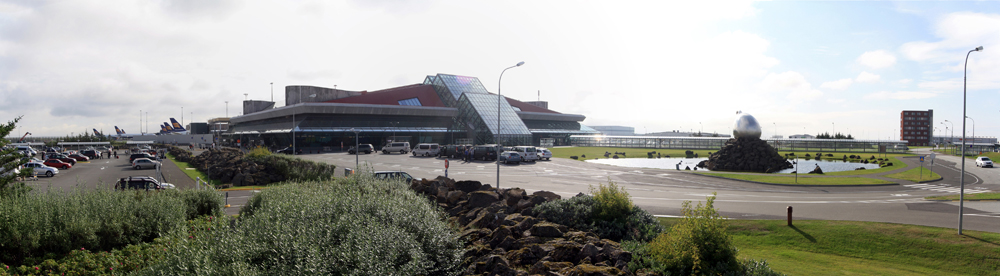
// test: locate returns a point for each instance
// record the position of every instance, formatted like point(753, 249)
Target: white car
point(400, 147)
point(144, 163)
point(544, 153)
point(984, 162)
point(431, 149)
point(42, 169)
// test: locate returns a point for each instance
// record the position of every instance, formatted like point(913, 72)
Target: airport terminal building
point(444, 109)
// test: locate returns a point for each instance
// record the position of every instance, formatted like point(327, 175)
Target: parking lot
point(102, 173)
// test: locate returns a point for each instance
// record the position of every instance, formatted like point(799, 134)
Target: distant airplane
point(177, 126)
point(121, 133)
point(97, 133)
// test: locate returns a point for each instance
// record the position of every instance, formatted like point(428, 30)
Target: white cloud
point(877, 59)
point(959, 33)
point(868, 77)
point(796, 85)
point(905, 81)
point(840, 84)
point(899, 95)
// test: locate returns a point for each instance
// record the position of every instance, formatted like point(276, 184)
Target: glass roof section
point(485, 105)
point(410, 101)
point(451, 87)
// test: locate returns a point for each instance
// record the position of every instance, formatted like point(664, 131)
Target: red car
point(61, 157)
point(56, 163)
point(79, 157)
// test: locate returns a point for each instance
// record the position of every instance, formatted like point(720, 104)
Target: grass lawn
point(817, 247)
point(192, 173)
point(774, 179)
point(916, 174)
point(979, 196)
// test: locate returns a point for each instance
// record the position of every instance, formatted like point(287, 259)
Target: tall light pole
point(961, 192)
point(834, 129)
point(227, 109)
point(357, 151)
point(394, 126)
point(500, 98)
point(147, 121)
point(973, 130)
point(272, 91)
point(182, 116)
point(140, 121)
point(951, 138)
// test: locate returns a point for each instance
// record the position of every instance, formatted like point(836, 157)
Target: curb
point(929, 180)
point(798, 185)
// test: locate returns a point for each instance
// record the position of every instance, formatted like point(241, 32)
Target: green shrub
point(258, 152)
point(642, 261)
point(610, 201)
point(197, 203)
point(698, 245)
point(349, 226)
point(577, 212)
point(51, 224)
point(294, 168)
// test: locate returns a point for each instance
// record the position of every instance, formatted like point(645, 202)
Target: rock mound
point(503, 238)
point(746, 154)
point(228, 165)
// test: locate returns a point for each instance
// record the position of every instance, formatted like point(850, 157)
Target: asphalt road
point(656, 190)
point(662, 191)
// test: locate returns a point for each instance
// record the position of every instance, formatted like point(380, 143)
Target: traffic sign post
point(446, 168)
point(921, 168)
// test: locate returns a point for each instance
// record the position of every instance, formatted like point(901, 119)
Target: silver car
point(510, 156)
point(984, 162)
point(144, 163)
point(42, 169)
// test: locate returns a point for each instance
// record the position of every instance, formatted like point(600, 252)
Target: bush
point(698, 245)
point(642, 261)
point(350, 226)
point(46, 225)
point(294, 168)
point(594, 214)
point(258, 152)
point(197, 203)
point(610, 201)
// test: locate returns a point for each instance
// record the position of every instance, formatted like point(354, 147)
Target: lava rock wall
point(746, 154)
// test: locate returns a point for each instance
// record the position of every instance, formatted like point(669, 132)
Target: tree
point(10, 162)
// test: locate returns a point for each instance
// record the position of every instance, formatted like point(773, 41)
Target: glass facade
point(410, 101)
point(450, 87)
point(715, 143)
point(477, 114)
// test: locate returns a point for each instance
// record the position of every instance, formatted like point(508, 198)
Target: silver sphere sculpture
point(746, 126)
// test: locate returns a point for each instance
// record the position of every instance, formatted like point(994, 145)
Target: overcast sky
point(798, 67)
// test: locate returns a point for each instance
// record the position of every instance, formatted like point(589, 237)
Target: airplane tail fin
point(96, 133)
point(118, 130)
point(176, 126)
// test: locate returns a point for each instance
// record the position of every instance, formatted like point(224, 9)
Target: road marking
point(900, 194)
point(994, 215)
point(946, 188)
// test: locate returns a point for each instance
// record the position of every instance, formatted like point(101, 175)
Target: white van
point(27, 149)
point(401, 147)
point(528, 153)
point(429, 149)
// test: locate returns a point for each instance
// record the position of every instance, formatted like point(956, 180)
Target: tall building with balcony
point(916, 127)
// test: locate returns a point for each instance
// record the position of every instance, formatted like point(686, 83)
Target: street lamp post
point(961, 192)
point(951, 137)
point(394, 126)
point(356, 149)
point(973, 130)
point(227, 109)
point(500, 98)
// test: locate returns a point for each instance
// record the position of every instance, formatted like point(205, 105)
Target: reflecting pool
point(680, 163)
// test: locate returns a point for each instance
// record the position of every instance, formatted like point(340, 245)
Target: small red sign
point(446, 163)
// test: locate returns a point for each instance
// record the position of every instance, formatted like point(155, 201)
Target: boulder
point(746, 154)
point(547, 230)
point(482, 198)
point(468, 186)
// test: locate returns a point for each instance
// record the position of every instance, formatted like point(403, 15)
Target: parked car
point(144, 163)
point(394, 175)
point(79, 157)
point(984, 162)
point(61, 157)
point(510, 156)
point(427, 149)
point(528, 153)
point(366, 148)
point(42, 169)
point(485, 152)
point(141, 183)
point(57, 163)
point(287, 150)
point(544, 153)
point(92, 154)
point(452, 151)
point(401, 147)
point(140, 155)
